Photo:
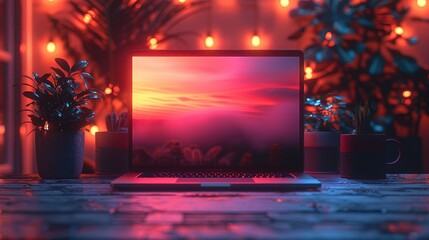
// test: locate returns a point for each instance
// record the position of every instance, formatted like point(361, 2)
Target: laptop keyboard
point(215, 175)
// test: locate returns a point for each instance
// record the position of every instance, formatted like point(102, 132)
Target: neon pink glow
point(215, 103)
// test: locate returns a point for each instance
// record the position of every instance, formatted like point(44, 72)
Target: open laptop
point(216, 120)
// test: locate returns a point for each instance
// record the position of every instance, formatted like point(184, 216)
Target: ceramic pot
point(111, 152)
point(321, 152)
point(59, 154)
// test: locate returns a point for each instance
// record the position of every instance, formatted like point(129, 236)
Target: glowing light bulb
point(406, 93)
point(328, 36)
point(209, 41)
point(256, 40)
point(46, 126)
point(108, 91)
point(153, 43)
point(2, 129)
point(399, 30)
point(87, 18)
point(284, 3)
point(308, 70)
point(181, 1)
point(421, 3)
point(93, 130)
point(51, 47)
point(308, 75)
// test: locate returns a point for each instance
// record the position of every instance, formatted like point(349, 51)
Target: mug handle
point(399, 151)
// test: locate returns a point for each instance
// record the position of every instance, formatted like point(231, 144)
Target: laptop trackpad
point(215, 180)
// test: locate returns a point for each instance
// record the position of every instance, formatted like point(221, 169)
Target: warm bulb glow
point(116, 89)
point(308, 75)
point(50, 47)
point(46, 126)
point(87, 18)
point(93, 130)
point(2, 129)
point(256, 41)
point(284, 3)
point(308, 70)
point(181, 1)
point(108, 91)
point(408, 101)
point(328, 36)
point(399, 30)
point(421, 3)
point(406, 93)
point(209, 41)
point(153, 43)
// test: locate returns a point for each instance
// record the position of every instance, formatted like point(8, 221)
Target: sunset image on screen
point(215, 110)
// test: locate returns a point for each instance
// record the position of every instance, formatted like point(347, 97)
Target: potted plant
point(363, 153)
point(325, 117)
point(111, 156)
point(59, 111)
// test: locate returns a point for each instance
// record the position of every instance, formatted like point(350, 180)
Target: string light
point(46, 126)
point(421, 3)
point(308, 72)
point(406, 93)
point(93, 130)
point(256, 40)
point(108, 90)
point(328, 36)
point(399, 30)
point(284, 3)
point(51, 47)
point(153, 43)
point(209, 41)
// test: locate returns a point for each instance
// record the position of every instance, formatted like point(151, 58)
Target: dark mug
point(363, 156)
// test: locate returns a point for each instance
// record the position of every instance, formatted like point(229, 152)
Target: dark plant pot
point(59, 154)
point(111, 152)
point(363, 156)
point(321, 152)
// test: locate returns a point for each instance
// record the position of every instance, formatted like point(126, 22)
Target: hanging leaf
point(376, 65)
point(297, 34)
point(404, 63)
point(63, 64)
point(413, 40)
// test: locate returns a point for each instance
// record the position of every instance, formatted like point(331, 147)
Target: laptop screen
point(221, 109)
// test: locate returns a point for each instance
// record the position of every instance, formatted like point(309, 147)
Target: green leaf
point(58, 72)
point(31, 95)
point(376, 65)
point(63, 64)
point(79, 65)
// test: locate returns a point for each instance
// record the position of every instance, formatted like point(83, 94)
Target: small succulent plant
point(60, 101)
point(117, 123)
point(327, 114)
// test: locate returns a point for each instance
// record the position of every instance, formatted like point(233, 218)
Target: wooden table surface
point(87, 208)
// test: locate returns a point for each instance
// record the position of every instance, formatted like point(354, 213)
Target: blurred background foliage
point(354, 51)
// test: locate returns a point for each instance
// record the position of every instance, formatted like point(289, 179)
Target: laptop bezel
point(298, 167)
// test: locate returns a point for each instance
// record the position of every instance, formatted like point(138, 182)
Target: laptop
point(216, 120)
